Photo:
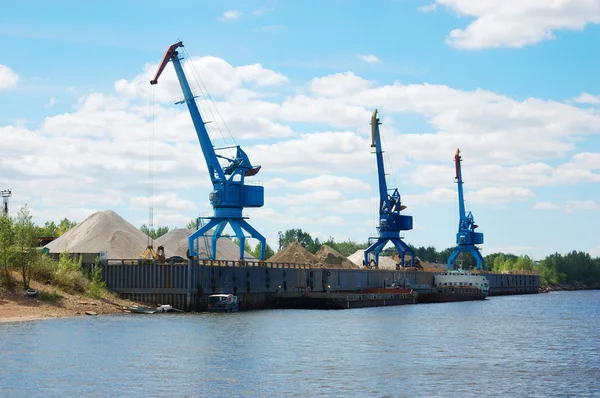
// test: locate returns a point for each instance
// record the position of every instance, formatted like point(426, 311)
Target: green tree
point(348, 247)
point(65, 225)
point(26, 243)
point(268, 251)
point(247, 248)
point(191, 224)
point(291, 235)
point(154, 233)
point(49, 229)
point(7, 239)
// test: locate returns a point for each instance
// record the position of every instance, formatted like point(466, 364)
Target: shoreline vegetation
point(51, 302)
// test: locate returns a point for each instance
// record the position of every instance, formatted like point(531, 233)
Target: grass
point(51, 297)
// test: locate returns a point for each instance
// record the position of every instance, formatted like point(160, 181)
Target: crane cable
point(151, 166)
point(209, 99)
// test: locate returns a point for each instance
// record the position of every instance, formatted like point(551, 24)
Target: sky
point(514, 84)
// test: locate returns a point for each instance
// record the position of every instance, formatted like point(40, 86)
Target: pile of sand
point(407, 259)
point(295, 253)
point(384, 262)
point(103, 231)
point(332, 258)
point(176, 241)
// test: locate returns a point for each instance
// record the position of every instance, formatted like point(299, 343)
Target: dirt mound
point(332, 258)
point(295, 253)
point(384, 262)
point(176, 241)
point(103, 231)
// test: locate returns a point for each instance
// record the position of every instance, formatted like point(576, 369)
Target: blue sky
point(514, 84)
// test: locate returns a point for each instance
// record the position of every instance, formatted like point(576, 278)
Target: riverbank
point(568, 287)
point(51, 302)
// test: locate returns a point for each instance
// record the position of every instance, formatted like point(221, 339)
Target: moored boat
point(454, 285)
point(222, 303)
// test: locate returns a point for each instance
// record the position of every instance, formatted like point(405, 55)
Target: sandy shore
point(16, 306)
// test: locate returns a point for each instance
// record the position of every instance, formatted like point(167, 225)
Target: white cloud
point(370, 58)
point(167, 201)
point(218, 76)
point(428, 8)
point(8, 78)
point(51, 102)
point(339, 85)
point(545, 206)
point(583, 205)
point(517, 23)
point(260, 11)
point(500, 195)
point(585, 98)
point(230, 15)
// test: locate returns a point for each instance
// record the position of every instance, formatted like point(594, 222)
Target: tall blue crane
point(229, 195)
point(466, 238)
point(391, 222)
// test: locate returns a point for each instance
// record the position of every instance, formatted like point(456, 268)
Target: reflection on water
point(535, 345)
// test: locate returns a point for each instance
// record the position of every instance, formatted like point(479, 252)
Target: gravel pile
point(332, 258)
point(103, 231)
point(384, 262)
point(176, 241)
point(295, 253)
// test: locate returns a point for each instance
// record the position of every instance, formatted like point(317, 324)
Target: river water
point(530, 346)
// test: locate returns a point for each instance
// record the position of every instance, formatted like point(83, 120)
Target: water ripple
point(534, 346)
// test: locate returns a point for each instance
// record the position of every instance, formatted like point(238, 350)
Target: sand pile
point(407, 259)
point(295, 253)
point(384, 262)
point(332, 258)
point(103, 231)
point(176, 241)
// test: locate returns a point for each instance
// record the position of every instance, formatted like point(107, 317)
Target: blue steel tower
point(229, 195)
point(466, 238)
point(391, 222)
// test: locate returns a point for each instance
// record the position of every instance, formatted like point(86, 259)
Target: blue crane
point(391, 222)
point(229, 195)
point(466, 238)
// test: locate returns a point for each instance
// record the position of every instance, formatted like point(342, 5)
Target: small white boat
point(142, 310)
point(167, 308)
point(222, 303)
point(31, 292)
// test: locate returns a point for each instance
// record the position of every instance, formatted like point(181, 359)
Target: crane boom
point(466, 238)
point(391, 222)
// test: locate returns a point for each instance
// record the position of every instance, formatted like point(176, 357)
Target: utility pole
point(5, 195)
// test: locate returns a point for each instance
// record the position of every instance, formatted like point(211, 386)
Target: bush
point(43, 269)
point(68, 274)
point(97, 285)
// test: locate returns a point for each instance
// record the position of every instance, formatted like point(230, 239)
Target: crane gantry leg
point(474, 250)
point(378, 246)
